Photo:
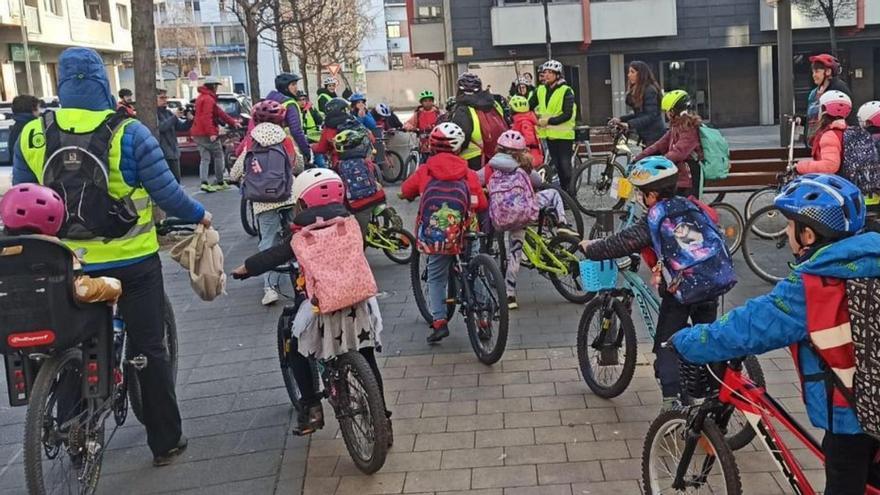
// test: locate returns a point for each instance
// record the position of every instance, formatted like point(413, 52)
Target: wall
point(374, 48)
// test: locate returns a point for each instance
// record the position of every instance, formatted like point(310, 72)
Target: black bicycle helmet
point(302, 94)
point(283, 80)
point(336, 105)
point(470, 82)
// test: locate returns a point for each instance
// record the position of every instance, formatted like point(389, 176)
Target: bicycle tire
point(285, 322)
point(248, 218)
point(600, 190)
point(132, 381)
point(354, 362)
point(744, 434)
point(392, 169)
point(36, 419)
point(409, 168)
point(572, 211)
point(660, 429)
point(750, 248)
point(569, 244)
point(416, 272)
point(732, 233)
point(756, 200)
point(584, 341)
point(400, 235)
point(483, 263)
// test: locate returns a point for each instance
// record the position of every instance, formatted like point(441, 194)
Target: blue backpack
point(443, 213)
point(360, 182)
point(861, 162)
point(696, 265)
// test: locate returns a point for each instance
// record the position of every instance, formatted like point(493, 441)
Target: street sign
point(333, 69)
point(193, 76)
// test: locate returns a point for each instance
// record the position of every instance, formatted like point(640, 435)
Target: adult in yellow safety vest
point(311, 117)
point(327, 93)
point(554, 103)
point(284, 93)
point(470, 102)
point(137, 174)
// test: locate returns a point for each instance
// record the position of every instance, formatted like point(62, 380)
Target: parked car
point(236, 106)
point(5, 157)
point(176, 103)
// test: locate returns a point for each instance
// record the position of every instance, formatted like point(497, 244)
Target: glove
point(543, 121)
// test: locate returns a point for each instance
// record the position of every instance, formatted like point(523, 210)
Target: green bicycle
point(385, 232)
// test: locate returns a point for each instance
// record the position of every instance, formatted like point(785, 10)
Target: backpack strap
point(99, 142)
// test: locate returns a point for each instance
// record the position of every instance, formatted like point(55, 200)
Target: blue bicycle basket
point(598, 275)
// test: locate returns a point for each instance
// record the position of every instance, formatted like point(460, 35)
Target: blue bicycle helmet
point(654, 171)
point(829, 204)
point(355, 97)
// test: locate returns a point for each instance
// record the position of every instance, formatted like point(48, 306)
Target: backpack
point(512, 201)
point(331, 256)
point(492, 126)
point(76, 168)
point(863, 302)
point(716, 153)
point(696, 265)
point(861, 163)
point(443, 212)
point(201, 256)
point(360, 182)
point(268, 174)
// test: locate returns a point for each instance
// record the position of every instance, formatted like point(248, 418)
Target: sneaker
point(670, 403)
point(270, 296)
point(208, 188)
point(439, 331)
point(567, 230)
point(511, 302)
point(309, 419)
point(168, 457)
point(221, 186)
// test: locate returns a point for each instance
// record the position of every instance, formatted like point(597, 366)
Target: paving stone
point(539, 490)
point(433, 370)
point(444, 479)
point(444, 441)
point(477, 393)
point(475, 422)
point(588, 416)
point(488, 406)
point(564, 434)
point(522, 419)
point(471, 458)
point(396, 385)
point(569, 472)
point(527, 365)
point(553, 376)
point(593, 451)
point(529, 390)
point(501, 477)
point(511, 378)
point(621, 431)
point(454, 381)
point(558, 403)
point(534, 454)
point(419, 425)
point(412, 396)
point(459, 408)
point(611, 488)
point(509, 436)
point(621, 469)
point(375, 484)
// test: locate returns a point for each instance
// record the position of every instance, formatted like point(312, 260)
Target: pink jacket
point(827, 150)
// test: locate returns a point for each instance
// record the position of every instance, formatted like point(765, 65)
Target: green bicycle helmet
point(424, 95)
point(676, 100)
point(349, 139)
point(519, 104)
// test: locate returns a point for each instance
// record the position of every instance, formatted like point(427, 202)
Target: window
point(229, 35)
point(393, 28)
point(122, 11)
point(691, 76)
point(207, 36)
point(429, 12)
point(396, 61)
point(97, 10)
point(52, 6)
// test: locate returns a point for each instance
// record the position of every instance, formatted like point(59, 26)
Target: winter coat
point(526, 123)
point(646, 120)
point(268, 134)
point(778, 319)
point(169, 125)
point(461, 115)
point(332, 122)
point(814, 108)
point(827, 150)
point(208, 114)
point(422, 120)
point(503, 162)
point(20, 120)
point(679, 145)
point(448, 167)
point(367, 120)
point(294, 123)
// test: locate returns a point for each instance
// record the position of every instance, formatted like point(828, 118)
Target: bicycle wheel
point(285, 350)
point(739, 431)
point(392, 169)
point(711, 468)
point(591, 183)
point(405, 245)
point(248, 219)
point(360, 408)
point(132, 381)
point(63, 445)
point(604, 331)
point(410, 166)
point(767, 255)
point(731, 225)
point(572, 212)
point(760, 199)
point(486, 313)
point(418, 274)
point(569, 286)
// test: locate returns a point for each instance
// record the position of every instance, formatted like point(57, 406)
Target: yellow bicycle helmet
point(676, 100)
point(519, 104)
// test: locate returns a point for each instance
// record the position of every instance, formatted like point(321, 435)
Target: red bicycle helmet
point(825, 60)
point(446, 137)
point(33, 208)
point(269, 111)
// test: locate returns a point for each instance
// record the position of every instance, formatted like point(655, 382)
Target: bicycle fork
point(692, 439)
point(610, 338)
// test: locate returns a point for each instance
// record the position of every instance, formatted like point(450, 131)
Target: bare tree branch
point(829, 10)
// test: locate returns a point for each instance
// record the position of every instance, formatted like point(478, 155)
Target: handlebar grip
point(240, 276)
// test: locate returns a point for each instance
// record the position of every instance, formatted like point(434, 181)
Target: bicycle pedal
point(138, 362)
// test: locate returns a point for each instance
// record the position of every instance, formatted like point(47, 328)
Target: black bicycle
point(591, 180)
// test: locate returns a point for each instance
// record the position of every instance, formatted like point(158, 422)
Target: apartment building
point(721, 51)
point(50, 27)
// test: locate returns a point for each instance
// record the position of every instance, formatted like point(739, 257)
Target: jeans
point(438, 280)
point(142, 307)
point(514, 246)
point(550, 198)
point(208, 151)
point(673, 316)
point(560, 156)
point(849, 463)
point(174, 166)
point(272, 224)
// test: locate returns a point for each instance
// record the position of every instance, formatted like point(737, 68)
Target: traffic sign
point(334, 69)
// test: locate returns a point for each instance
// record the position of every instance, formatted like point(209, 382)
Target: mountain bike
point(417, 154)
point(476, 287)
point(685, 452)
point(392, 167)
point(591, 180)
point(385, 232)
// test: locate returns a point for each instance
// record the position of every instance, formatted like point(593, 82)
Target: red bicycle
point(685, 450)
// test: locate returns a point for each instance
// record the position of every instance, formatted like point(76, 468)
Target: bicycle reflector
point(38, 338)
point(621, 188)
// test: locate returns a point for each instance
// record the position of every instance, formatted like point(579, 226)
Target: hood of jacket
point(503, 162)
point(481, 100)
point(838, 125)
point(310, 215)
point(526, 116)
point(854, 257)
point(335, 119)
point(204, 90)
point(446, 166)
point(278, 96)
point(267, 134)
point(82, 81)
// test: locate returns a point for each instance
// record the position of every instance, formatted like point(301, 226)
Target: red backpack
point(492, 126)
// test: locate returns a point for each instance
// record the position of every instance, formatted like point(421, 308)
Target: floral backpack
point(512, 201)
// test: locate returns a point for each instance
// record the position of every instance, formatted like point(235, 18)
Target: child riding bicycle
point(808, 311)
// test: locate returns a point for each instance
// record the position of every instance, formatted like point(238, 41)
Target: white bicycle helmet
point(869, 114)
point(553, 65)
point(836, 104)
point(330, 80)
point(318, 187)
point(446, 137)
point(653, 170)
point(383, 110)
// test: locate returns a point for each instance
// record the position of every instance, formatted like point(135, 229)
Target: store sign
point(17, 53)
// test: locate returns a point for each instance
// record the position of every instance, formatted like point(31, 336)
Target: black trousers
point(142, 307)
point(560, 157)
point(674, 316)
point(849, 463)
point(476, 163)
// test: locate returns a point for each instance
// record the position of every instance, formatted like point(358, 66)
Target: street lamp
point(547, 29)
point(786, 66)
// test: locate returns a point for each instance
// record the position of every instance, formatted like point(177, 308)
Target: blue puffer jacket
point(83, 84)
point(294, 125)
point(778, 319)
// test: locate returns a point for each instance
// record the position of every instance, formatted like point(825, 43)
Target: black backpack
point(76, 167)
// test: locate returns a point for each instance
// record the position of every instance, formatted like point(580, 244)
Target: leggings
point(305, 378)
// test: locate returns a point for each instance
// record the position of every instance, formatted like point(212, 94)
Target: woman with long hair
point(643, 96)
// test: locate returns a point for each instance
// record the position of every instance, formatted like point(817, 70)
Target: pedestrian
point(170, 123)
point(312, 120)
point(826, 75)
point(25, 108)
point(554, 103)
point(327, 93)
point(206, 134)
point(643, 96)
point(125, 105)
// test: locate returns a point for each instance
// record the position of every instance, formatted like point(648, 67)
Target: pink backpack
point(331, 256)
point(512, 201)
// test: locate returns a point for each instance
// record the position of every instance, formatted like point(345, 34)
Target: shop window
point(122, 11)
point(691, 76)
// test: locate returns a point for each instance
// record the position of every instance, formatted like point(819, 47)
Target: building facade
point(722, 52)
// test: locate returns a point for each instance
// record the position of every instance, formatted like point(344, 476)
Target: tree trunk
point(303, 64)
point(144, 60)
point(253, 43)
point(279, 37)
point(833, 37)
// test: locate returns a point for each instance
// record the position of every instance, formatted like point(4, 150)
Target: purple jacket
point(293, 125)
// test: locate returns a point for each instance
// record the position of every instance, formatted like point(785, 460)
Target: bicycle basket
point(697, 382)
point(598, 275)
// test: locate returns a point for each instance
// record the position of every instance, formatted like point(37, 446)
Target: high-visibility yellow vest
point(313, 132)
point(138, 242)
point(553, 108)
point(322, 97)
point(474, 148)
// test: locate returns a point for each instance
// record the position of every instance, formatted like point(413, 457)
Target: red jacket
point(324, 146)
point(525, 123)
point(827, 150)
point(445, 166)
point(678, 145)
point(208, 114)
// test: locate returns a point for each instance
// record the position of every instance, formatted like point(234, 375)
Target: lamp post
point(786, 67)
point(547, 29)
point(27, 51)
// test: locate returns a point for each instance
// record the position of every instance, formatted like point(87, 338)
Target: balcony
point(32, 16)
point(613, 19)
point(91, 32)
point(427, 37)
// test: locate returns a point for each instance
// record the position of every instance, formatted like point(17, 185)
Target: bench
point(753, 169)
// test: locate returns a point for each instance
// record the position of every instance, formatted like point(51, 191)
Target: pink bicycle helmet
point(318, 187)
point(33, 208)
point(512, 140)
point(869, 114)
point(269, 111)
point(836, 104)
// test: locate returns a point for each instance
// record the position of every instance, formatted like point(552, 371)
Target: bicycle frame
point(376, 238)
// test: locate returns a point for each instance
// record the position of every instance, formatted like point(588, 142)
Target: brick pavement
point(527, 425)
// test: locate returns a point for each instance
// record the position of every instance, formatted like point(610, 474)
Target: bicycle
point(385, 232)
point(248, 217)
point(417, 154)
point(393, 166)
point(591, 181)
point(476, 286)
point(684, 449)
